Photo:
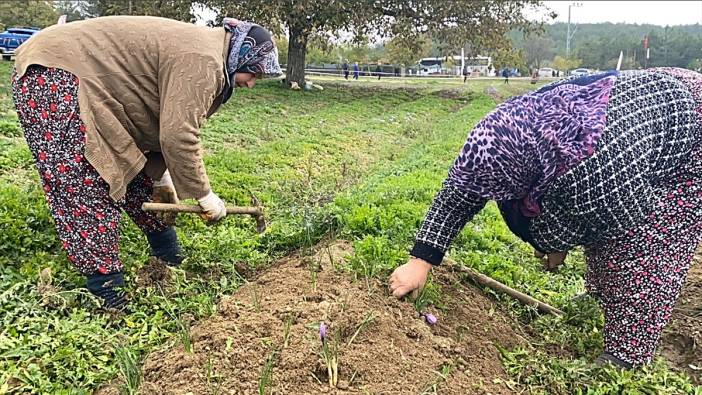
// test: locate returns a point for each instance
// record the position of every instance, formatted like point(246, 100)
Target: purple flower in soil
point(322, 331)
point(430, 318)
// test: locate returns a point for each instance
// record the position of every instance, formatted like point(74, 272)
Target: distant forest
point(598, 45)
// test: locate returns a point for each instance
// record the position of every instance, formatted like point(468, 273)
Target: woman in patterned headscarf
point(612, 162)
point(112, 109)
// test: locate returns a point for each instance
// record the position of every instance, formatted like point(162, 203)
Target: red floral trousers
point(86, 217)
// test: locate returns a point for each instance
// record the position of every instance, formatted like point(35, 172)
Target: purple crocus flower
point(322, 331)
point(430, 318)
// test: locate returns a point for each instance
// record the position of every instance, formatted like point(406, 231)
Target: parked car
point(13, 38)
point(580, 72)
point(546, 72)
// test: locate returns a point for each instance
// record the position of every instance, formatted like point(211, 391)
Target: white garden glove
point(164, 192)
point(213, 208)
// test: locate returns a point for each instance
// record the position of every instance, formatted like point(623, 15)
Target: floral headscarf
point(251, 50)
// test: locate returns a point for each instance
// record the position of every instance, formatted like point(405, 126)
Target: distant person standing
point(505, 73)
point(378, 70)
point(466, 73)
point(345, 67)
point(355, 70)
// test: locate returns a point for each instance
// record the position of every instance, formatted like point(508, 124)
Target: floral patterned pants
point(638, 275)
point(86, 217)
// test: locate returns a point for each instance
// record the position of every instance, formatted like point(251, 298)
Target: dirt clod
point(343, 385)
point(233, 350)
point(155, 271)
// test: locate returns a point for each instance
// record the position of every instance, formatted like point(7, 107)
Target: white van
point(546, 72)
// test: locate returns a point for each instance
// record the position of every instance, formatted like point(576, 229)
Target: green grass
point(360, 162)
point(295, 151)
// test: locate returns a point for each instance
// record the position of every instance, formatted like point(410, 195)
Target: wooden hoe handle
point(256, 212)
point(498, 286)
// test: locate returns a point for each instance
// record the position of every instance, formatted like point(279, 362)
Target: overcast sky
point(653, 12)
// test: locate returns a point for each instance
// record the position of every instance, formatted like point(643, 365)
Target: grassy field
point(359, 162)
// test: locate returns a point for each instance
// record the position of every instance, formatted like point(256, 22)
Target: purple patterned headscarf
point(517, 150)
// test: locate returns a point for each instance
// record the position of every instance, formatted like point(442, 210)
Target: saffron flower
point(430, 318)
point(322, 331)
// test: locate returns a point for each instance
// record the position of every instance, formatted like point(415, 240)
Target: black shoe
point(108, 287)
point(607, 358)
point(165, 246)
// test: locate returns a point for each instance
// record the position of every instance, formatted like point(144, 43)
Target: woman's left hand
point(409, 277)
point(551, 261)
point(164, 192)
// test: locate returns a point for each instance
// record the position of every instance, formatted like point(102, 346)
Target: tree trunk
point(297, 50)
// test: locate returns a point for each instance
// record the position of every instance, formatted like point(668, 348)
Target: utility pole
point(569, 35)
point(463, 59)
point(665, 39)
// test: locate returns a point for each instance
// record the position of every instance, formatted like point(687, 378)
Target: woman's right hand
point(213, 208)
point(409, 277)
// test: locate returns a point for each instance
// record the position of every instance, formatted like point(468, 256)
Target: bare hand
point(164, 192)
point(409, 277)
point(551, 261)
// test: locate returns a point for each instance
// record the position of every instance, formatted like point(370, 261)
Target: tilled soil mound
point(682, 340)
point(396, 352)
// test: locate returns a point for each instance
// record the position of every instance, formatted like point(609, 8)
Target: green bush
point(26, 225)
point(10, 128)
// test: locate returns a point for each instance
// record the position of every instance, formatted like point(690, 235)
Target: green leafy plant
point(212, 379)
point(129, 369)
point(374, 255)
point(430, 295)
point(265, 381)
point(367, 320)
point(433, 387)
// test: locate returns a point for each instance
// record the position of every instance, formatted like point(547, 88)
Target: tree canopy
point(483, 24)
point(34, 13)
point(308, 31)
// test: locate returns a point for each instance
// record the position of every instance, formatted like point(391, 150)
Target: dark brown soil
point(397, 353)
point(154, 271)
point(450, 93)
point(493, 93)
point(682, 340)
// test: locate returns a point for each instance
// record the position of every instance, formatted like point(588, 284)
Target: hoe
point(255, 211)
